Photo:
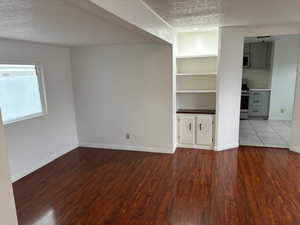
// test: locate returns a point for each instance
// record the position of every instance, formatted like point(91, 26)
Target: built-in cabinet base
point(195, 131)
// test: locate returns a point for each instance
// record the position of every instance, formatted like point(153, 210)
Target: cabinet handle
point(256, 101)
point(190, 127)
point(200, 126)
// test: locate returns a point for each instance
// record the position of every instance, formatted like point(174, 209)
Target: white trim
point(32, 116)
point(42, 85)
point(295, 149)
point(200, 147)
point(226, 147)
point(168, 150)
point(174, 149)
point(50, 158)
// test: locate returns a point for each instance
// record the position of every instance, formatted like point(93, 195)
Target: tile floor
point(267, 133)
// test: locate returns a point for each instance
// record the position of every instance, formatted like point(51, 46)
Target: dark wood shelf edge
point(196, 111)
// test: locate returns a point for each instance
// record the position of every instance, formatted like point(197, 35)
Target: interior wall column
point(7, 204)
point(295, 132)
point(229, 82)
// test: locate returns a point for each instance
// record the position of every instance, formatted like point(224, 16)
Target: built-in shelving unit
point(196, 81)
point(196, 88)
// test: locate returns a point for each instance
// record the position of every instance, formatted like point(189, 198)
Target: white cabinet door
point(186, 130)
point(204, 130)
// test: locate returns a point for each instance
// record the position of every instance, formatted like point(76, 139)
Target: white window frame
point(42, 90)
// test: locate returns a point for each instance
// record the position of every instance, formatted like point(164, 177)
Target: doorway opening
point(270, 65)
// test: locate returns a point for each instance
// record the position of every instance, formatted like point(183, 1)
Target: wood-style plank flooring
point(249, 186)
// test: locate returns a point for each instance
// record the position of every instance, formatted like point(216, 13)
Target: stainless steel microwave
point(246, 61)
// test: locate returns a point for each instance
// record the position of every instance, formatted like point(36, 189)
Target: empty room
point(149, 112)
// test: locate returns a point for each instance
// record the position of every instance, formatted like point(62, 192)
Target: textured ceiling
point(80, 22)
point(183, 14)
point(189, 14)
point(61, 22)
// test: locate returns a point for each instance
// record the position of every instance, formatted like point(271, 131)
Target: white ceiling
point(80, 22)
point(65, 22)
point(189, 14)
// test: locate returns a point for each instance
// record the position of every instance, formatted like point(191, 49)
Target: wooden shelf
point(195, 56)
point(195, 91)
point(196, 74)
point(197, 111)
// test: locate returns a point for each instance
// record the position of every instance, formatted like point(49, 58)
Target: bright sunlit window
point(21, 92)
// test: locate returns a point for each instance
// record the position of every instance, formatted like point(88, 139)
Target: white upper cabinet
point(260, 54)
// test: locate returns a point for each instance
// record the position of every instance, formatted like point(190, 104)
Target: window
point(21, 92)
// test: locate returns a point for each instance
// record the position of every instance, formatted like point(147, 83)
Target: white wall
point(286, 50)
point(7, 203)
point(273, 30)
point(258, 78)
point(196, 101)
point(124, 88)
point(229, 81)
point(196, 43)
point(35, 142)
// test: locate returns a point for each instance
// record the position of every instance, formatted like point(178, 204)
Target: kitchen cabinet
point(260, 54)
point(195, 131)
point(246, 48)
point(259, 102)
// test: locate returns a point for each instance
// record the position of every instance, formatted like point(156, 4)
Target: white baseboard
point(226, 147)
point(167, 150)
point(200, 147)
point(295, 149)
point(50, 159)
point(174, 148)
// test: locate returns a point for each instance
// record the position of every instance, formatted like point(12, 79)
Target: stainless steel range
point(245, 100)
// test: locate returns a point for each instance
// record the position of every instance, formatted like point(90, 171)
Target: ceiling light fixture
point(263, 38)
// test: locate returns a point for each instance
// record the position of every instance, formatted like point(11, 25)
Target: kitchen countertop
point(244, 91)
point(196, 111)
point(260, 89)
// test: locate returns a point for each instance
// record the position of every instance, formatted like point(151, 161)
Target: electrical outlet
point(282, 110)
point(127, 136)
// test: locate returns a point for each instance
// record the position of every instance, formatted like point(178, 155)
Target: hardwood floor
point(252, 186)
